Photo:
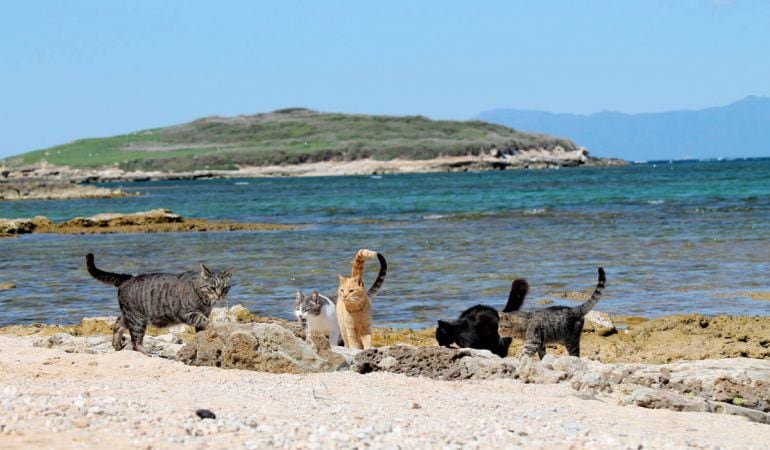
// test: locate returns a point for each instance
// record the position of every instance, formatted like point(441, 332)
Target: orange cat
point(354, 304)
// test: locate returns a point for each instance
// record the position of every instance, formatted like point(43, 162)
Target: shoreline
point(53, 398)
point(67, 386)
point(605, 338)
point(533, 159)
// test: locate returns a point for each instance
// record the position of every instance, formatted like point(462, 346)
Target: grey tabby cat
point(555, 324)
point(162, 299)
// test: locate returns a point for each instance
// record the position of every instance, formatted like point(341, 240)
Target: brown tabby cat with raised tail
point(354, 303)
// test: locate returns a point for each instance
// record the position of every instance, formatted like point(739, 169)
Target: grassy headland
point(289, 136)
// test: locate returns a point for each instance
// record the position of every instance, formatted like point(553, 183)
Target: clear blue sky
point(73, 69)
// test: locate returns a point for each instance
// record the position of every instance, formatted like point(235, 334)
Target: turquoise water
point(674, 238)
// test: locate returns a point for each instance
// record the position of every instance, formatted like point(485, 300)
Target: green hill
point(288, 136)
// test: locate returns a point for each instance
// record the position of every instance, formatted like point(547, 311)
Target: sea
point(673, 237)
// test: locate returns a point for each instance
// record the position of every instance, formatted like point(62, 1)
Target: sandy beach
point(54, 399)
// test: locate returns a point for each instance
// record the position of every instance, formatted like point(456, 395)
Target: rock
point(659, 399)
point(599, 318)
point(265, 347)
point(434, 362)
point(532, 371)
point(16, 226)
point(730, 386)
point(152, 217)
point(236, 313)
point(662, 399)
point(5, 286)
point(205, 414)
point(103, 344)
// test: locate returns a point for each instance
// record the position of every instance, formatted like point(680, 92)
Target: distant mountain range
point(740, 129)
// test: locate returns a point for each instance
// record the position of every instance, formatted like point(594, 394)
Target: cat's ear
point(342, 279)
point(299, 296)
point(228, 273)
point(314, 294)
point(360, 281)
point(205, 272)
point(442, 324)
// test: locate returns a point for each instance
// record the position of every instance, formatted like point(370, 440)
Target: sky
point(74, 69)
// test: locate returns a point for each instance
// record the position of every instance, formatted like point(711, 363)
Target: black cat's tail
point(380, 276)
point(591, 302)
point(519, 289)
point(115, 279)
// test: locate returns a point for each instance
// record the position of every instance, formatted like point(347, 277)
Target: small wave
point(725, 209)
point(457, 217)
point(241, 183)
point(434, 217)
point(534, 211)
point(376, 177)
point(655, 202)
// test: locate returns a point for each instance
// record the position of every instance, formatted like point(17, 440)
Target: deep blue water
point(674, 238)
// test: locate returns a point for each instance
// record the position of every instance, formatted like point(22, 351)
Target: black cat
point(476, 328)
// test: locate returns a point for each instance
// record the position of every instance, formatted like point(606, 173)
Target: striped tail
point(360, 261)
point(591, 302)
point(380, 276)
point(115, 279)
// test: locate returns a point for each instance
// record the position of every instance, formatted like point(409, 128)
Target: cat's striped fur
point(162, 299)
point(354, 303)
point(555, 324)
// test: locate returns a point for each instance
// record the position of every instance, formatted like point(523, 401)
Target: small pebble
point(205, 414)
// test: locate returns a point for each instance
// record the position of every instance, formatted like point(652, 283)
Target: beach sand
point(53, 399)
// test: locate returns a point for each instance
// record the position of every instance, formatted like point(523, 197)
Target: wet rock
point(265, 347)
point(6, 286)
point(434, 362)
point(155, 216)
point(16, 226)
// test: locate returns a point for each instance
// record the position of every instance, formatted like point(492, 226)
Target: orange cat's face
point(351, 289)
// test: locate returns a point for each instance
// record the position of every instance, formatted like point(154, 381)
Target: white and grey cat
point(318, 312)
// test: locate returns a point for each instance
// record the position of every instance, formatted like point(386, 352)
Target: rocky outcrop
point(261, 347)
point(434, 362)
point(24, 226)
point(730, 386)
point(152, 217)
point(153, 221)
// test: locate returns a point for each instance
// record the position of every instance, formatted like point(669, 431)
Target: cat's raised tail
point(358, 269)
point(114, 279)
point(519, 289)
point(380, 276)
point(591, 302)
